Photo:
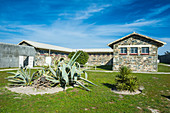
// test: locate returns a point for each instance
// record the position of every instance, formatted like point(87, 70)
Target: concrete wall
point(9, 54)
point(164, 59)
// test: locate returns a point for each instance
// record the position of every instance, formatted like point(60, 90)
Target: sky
point(80, 24)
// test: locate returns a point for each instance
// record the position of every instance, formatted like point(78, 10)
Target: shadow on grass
point(106, 67)
point(112, 86)
point(168, 97)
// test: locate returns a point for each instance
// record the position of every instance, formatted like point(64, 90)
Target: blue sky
point(83, 23)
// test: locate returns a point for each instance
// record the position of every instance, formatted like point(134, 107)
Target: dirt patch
point(34, 91)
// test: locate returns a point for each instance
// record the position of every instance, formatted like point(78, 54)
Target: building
point(136, 51)
point(44, 51)
point(12, 55)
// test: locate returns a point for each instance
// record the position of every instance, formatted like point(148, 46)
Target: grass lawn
point(100, 99)
point(163, 68)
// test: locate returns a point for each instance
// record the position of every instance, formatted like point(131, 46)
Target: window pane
point(123, 50)
point(134, 50)
point(145, 49)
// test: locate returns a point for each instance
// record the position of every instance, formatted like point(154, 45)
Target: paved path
point(94, 71)
point(17, 69)
point(165, 65)
point(133, 72)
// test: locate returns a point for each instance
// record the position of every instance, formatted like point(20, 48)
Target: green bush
point(125, 80)
point(82, 59)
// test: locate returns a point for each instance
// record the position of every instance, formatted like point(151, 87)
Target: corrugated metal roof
point(58, 48)
point(46, 46)
point(96, 50)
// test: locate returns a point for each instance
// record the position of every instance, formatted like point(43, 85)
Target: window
point(123, 51)
point(145, 50)
point(134, 50)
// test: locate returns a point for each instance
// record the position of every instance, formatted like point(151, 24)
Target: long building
point(44, 51)
point(136, 51)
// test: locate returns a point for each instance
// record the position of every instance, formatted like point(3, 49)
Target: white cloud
point(85, 13)
point(159, 10)
point(72, 34)
point(165, 39)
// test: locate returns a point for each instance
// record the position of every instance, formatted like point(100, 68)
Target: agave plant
point(67, 73)
point(22, 77)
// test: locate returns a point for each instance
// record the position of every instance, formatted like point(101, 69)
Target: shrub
point(125, 80)
point(82, 59)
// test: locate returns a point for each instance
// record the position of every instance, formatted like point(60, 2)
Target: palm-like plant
point(126, 81)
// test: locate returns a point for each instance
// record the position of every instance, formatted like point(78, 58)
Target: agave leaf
point(72, 58)
point(86, 75)
point(16, 84)
point(87, 81)
point(53, 72)
point(14, 73)
point(75, 59)
point(54, 81)
point(10, 77)
point(82, 86)
point(73, 70)
point(16, 81)
point(50, 77)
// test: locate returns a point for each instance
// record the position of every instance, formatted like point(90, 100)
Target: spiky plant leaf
point(82, 86)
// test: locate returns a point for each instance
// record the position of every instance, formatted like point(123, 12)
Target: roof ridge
point(134, 33)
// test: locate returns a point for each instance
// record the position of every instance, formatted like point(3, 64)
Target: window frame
point(134, 51)
point(145, 52)
point(123, 51)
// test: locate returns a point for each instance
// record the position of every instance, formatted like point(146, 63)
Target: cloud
point(72, 34)
point(165, 39)
point(85, 13)
point(159, 10)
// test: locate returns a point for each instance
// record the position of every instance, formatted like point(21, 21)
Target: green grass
point(162, 68)
point(100, 99)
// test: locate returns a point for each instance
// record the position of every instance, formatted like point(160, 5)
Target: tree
point(167, 52)
point(82, 59)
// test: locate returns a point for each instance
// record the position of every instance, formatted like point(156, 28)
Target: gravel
point(33, 91)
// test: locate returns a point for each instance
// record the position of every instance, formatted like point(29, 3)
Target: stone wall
point(94, 58)
point(135, 62)
point(9, 54)
point(40, 57)
point(100, 58)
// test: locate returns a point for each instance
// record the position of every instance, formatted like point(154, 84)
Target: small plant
point(126, 81)
point(23, 77)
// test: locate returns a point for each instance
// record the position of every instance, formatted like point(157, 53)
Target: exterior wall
point(40, 57)
point(94, 58)
point(100, 58)
point(9, 54)
point(136, 62)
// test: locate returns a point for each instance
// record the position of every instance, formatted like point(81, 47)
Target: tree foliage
point(82, 59)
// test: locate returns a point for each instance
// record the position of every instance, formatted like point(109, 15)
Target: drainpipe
point(49, 52)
